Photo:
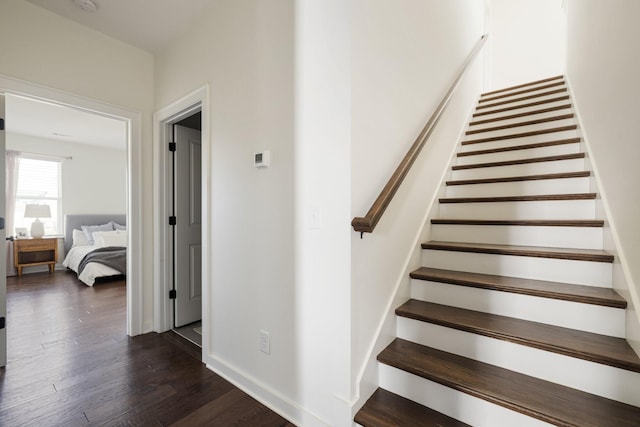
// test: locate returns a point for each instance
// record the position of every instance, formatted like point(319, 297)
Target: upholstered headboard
point(75, 221)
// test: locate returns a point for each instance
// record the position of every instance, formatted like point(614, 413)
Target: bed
point(98, 250)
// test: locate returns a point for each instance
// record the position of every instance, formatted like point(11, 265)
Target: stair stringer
point(621, 279)
point(367, 380)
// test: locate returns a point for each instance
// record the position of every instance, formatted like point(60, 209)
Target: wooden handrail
point(368, 223)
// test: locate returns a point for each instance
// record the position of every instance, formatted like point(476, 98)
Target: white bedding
point(92, 271)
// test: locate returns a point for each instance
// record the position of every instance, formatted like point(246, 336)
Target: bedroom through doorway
point(73, 162)
point(136, 320)
point(132, 310)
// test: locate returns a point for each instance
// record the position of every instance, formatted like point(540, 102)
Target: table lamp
point(37, 211)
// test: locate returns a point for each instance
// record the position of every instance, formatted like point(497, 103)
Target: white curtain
point(12, 166)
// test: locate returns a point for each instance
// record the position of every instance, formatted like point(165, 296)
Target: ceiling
point(51, 121)
point(146, 24)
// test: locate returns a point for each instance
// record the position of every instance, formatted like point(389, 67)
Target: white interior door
point(188, 228)
point(3, 245)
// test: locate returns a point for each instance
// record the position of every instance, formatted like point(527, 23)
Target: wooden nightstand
point(29, 252)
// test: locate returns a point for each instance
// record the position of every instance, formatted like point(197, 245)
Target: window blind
point(39, 182)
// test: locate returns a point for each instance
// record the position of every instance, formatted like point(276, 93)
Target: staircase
point(513, 320)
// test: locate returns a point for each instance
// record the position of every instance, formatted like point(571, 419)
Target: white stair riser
point(567, 314)
point(521, 129)
point(510, 142)
point(531, 90)
point(551, 269)
point(525, 188)
point(461, 406)
point(517, 100)
point(547, 209)
point(554, 150)
point(537, 168)
point(594, 378)
point(517, 110)
point(474, 140)
point(516, 120)
point(512, 100)
point(556, 237)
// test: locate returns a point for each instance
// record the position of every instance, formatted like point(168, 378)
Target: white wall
point(279, 79)
point(603, 66)
point(405, 54)
point(244, 50)
point(94, 181)
point(323, 207)
point(41, 47)
point(45, 49)
point(528, 41)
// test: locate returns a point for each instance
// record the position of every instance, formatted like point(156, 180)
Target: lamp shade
point(37, 211)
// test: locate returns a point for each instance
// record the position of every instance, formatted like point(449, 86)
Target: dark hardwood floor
point(70, 363)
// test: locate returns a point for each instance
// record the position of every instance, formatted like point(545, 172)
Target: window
point(39, 182)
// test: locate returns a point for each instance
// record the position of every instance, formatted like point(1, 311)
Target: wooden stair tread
point(523, 222)
point(516, 107)
point(522, 98)
point(520, 135)
point(553, 403)
point(562, 175)
point(524, 161)
point(594, 295)
point(537, 82)
point(518, 115)
point(533, 198)
point(520, 92)
point(386, 409)
point(607, 350)
point(520, 147)
point(592, 255)
point(520, 124)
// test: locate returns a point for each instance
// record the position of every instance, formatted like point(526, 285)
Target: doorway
point(186, 226)
point(163, 122)
point(133, 121)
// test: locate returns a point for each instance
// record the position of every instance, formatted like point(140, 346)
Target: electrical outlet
point(265, 342)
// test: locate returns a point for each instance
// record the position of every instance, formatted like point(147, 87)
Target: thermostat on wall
point(262, 159)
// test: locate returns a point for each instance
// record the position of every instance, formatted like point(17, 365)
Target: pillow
point(110, 238)
point(117, 226)
point(90, 229)
point(79, 238)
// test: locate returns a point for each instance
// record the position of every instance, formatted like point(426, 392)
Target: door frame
point(133, 121)
point(3, 248)
point(191, 103)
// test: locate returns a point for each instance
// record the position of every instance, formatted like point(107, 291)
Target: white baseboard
point(264, 394)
